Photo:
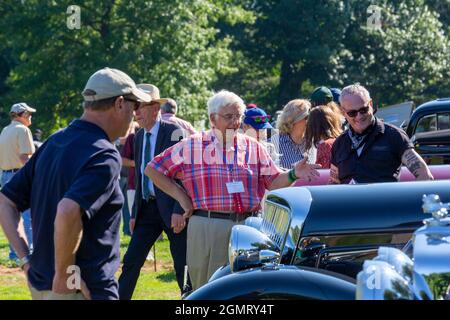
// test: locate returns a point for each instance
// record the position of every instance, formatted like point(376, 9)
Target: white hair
point(224, 98)
point(355, 90)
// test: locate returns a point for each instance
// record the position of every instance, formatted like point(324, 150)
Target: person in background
point(16, 148)
point(289, 141)
point(168, 114)
point(124, 173)
point(37, 138)
point(321, 96)
point(371, 150)
point(128, 161)
point(323, 127)
point(336, 95)
point(256, 124)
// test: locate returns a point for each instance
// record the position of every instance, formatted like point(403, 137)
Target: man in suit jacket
point(153, 211)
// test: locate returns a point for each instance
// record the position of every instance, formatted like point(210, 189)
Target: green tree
point(171, 43)
point(295, 45)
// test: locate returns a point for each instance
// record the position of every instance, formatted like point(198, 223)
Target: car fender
point(278, 282)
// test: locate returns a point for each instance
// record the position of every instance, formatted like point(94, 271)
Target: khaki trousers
point(49, 295)
point(207, 247)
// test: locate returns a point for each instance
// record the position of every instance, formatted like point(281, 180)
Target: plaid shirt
point(204, 168)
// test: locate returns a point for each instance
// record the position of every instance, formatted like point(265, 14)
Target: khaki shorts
point(49, 295)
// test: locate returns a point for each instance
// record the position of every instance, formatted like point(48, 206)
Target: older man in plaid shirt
point(224, 175)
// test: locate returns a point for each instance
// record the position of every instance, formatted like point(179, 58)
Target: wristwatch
point(23, 261)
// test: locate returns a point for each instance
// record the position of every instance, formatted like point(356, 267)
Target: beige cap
point(108, 83)
point(21, 107)
point(153, 91)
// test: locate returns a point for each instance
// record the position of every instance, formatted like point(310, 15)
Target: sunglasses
point(354, 113)
point(261, 119)
point(136, 103)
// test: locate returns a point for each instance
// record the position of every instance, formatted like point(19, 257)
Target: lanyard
point(237, 201)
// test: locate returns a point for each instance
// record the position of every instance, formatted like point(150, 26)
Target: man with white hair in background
point(224, 176)
point(16, 147)
point(168, 113)
point(371, 150)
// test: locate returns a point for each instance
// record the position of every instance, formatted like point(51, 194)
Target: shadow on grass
point(166, 276)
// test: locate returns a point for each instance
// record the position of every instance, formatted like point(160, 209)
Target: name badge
point(235, 187)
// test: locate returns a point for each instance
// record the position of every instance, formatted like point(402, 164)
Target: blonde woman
point(289, 141)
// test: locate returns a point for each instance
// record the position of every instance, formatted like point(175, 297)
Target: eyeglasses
point(354, 113)
point(230, 117)
point(136, 103)
point(261, 119)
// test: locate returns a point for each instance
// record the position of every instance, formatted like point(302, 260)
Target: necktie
point(147, 155)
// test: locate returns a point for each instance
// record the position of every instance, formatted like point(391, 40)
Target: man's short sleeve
point(95, 183)
point(170, 162)
point(401, 141)
point(25, 141)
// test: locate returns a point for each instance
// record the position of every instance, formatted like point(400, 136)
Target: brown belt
point(224, 215)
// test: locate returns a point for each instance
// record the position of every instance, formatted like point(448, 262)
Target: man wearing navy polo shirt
point(72, 186)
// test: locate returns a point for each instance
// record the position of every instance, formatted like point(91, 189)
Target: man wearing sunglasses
point(371, 150)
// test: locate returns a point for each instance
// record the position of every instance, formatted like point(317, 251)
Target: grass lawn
point(159, 285)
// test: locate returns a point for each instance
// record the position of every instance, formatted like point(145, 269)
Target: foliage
point(303, 44)
point(267, 51)
point(171, 43)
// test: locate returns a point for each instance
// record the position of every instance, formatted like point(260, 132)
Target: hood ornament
point(439, 211)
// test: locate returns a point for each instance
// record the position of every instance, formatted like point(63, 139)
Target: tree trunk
point(290, 83)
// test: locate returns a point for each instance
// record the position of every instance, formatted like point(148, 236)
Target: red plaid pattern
point(204, 168)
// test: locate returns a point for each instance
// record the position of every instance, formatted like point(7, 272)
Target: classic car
point(311, 242)
point(429, 130)
point(421, 271)
point(439, 172)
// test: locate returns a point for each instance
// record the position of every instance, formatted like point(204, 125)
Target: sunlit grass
point(159, 285)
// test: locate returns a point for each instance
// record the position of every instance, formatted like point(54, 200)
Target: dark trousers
point(149, 226)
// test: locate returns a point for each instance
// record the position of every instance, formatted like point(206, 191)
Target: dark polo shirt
point(380, 159)
point(78, 163)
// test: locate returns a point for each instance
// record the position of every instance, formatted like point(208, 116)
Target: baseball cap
point(321, 95)
point(153, 92)
point(108, 83)
point(21, 107)
point(336, 94)
point(257, 118)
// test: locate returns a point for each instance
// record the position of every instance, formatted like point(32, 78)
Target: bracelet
point(291, 175)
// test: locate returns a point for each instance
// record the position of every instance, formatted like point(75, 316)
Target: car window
point(427, 123)
point(443, 121)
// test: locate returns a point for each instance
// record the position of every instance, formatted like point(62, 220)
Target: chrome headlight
point(254, 222)
point(249, 248)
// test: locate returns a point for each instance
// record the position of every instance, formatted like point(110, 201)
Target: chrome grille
point(276, 221)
